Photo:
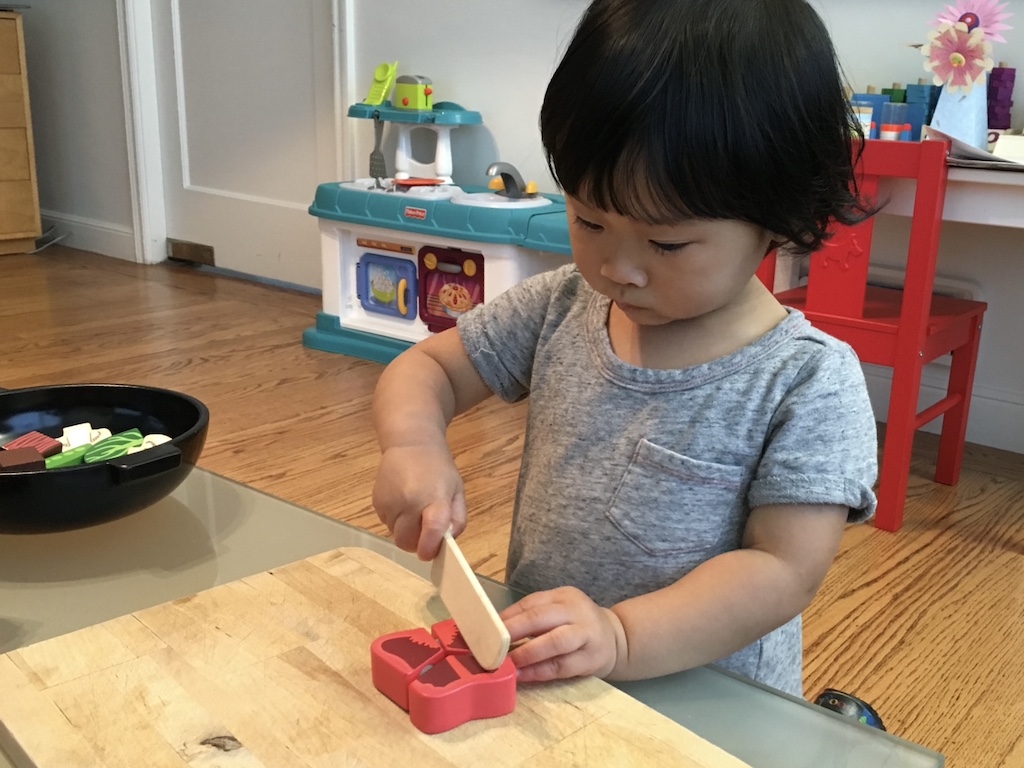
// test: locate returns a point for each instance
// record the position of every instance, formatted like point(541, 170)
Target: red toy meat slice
point(450, 638)
point(437, 680)
point(46, 445)
point(21, 460)
point(399, 658)
point(457, 689)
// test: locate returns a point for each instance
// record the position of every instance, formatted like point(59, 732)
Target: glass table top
point(211, 531)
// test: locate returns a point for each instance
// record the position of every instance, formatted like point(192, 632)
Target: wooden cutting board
point(274, 670)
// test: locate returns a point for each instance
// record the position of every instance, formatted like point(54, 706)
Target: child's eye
point(668, 247)
point(588, 225)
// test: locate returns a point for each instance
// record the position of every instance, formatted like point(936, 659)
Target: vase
point(964, 114)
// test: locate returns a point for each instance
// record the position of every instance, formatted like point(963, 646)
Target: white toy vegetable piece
point(150, 441)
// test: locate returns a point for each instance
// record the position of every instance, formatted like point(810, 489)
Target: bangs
point(642, 185)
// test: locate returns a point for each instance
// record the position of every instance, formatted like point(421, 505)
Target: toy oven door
point(451, 283)
point(386, 285)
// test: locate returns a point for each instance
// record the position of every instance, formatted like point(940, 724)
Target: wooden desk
point(973, 196)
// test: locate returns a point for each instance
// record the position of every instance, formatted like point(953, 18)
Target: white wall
point(79, 122)
point(495, 57)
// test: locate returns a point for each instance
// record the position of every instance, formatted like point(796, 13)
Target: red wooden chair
point(902, 329)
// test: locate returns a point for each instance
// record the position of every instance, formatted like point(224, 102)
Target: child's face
point(660, 273)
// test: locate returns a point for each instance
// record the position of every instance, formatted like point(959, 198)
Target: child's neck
point(686, 343)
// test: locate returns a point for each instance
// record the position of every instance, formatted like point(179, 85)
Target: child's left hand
point(570, 636)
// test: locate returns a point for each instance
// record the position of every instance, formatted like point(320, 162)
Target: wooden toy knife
point(475, 616)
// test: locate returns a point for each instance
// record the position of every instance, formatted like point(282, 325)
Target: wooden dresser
point(19, 194)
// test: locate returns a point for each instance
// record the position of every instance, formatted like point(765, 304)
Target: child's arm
point(720, 607)
point(418, 491)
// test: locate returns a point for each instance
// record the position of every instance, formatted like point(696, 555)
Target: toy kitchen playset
point(404, 256)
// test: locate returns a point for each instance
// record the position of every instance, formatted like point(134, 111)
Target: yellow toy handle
point(402, 306)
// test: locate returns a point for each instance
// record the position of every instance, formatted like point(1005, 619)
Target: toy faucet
point(508, 182)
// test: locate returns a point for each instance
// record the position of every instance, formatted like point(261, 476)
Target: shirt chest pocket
point(670, 504)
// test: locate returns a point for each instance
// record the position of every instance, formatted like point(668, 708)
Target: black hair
point(663, 110)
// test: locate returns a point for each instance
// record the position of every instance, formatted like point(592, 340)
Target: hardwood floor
point(925, 624)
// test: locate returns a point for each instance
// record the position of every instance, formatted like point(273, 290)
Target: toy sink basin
point(60, 499)
point(494, 200)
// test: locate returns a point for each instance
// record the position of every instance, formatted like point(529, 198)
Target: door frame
point(142, 116)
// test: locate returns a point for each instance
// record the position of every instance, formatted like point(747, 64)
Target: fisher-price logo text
point(415, 213)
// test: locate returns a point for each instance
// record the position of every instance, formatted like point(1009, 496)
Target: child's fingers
point(458, 513)
point(552, 653)
point(434, 522)
point(559, 668)
point(536, 614)
point(406, 532)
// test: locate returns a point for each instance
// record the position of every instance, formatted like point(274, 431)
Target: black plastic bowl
point(60, 499)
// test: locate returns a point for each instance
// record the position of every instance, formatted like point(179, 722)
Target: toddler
point(694, 449)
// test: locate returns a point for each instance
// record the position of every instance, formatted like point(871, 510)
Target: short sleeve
point(501, 335)
point(822, 445)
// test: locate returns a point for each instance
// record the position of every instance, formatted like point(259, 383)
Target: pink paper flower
point(958, 57)
point(986, 15)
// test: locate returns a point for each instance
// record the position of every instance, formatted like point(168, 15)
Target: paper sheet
point(964, 155)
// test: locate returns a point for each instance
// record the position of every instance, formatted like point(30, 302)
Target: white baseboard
point(92, 235)
point(996, 418)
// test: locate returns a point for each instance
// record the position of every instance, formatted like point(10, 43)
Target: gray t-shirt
point(631, 477)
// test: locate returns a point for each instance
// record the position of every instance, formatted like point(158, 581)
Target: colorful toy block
point(21, 460)
point(434, 677)
point(45, 444)
point(79, 443)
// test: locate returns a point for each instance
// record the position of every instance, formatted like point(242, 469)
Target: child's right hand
point(418, 495)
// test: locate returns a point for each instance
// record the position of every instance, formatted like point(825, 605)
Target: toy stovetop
point(540, 227)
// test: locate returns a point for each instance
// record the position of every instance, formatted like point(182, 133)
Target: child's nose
point(623, 271)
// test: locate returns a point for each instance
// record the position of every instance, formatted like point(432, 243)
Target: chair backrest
point(838, 273)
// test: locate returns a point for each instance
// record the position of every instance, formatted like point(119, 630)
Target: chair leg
point(899, 443)
point(954, 421)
